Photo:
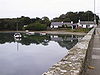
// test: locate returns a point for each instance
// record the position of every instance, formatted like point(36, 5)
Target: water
point(32, 54)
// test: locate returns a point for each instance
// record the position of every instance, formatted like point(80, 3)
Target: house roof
point(75, 24)
point(99, 21)
point(61, 23)
point(86, 22)
point(56, 23)
point(67, 23)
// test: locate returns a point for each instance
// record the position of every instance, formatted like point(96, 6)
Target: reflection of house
point(17, 39)
point(72, 38)
point(86, 24)
point(56, 38)
point(68, 44)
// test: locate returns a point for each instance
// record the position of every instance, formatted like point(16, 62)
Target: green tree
point(36, 26)
point(75, 16)
point(46, 21)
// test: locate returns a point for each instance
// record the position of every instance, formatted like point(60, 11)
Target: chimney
point(71, 22)
point(95, 21)
point(79, 21)
point(62, 22)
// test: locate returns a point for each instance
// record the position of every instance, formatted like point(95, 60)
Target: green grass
point(85, 30)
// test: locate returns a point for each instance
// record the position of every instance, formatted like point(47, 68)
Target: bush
point(86, 30)
point(36, 26)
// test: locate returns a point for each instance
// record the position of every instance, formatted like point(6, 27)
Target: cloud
point(51, 8)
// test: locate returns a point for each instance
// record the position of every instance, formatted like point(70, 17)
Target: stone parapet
point(72, 64)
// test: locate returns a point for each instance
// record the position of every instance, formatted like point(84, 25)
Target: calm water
point(32, 54)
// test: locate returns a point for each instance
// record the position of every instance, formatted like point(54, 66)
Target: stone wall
point(73, 63)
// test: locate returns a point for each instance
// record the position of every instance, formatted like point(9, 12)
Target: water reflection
point(67, 41)
point(32, 52)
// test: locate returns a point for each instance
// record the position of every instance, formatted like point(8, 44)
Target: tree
point(67, 20)
point(25, 20)
point(36, 26)
point(75, 16)
point(46, 21)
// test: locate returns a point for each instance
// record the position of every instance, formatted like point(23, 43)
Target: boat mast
point(94, 13)
point(17, 27)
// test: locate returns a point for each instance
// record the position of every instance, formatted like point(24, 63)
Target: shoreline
point(64, 32)
point(48, 32)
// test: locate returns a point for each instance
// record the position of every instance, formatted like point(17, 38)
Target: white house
point(68, 24)
point(98, 21)
point(64, 24)
point(82, 24)
point(86, 24)
point(25, 25)
point(56, 24)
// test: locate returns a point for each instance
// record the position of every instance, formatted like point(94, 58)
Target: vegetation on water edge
point(44, 22)
point(85, 30)
point(36, 26)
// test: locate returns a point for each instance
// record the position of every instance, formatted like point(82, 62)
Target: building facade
point(86, 24)
point(80, 24)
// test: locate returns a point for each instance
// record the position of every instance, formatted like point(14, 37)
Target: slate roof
point(86, 22)
point(67, 23)
point(56, 23)
point(75, 24)
point(99, 21)
point(61, 23)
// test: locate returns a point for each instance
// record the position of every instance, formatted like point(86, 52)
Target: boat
point(42, 33)
point(30, 33)
point(17, 35)
point(17, 39)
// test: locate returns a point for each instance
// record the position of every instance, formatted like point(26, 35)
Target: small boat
point(17, 35)
point(17, 39)
point(42, 33)
point(30, 33)
point(26, 31)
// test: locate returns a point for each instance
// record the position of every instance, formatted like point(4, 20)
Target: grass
point(85, 30)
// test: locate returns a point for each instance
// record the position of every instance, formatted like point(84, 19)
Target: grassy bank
point(82, 30)
point(65, 30)
point(85, 30)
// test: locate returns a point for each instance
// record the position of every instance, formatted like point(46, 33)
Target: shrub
point(36, 26)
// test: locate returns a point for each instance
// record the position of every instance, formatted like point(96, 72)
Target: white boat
point(30, 33)
point(27, 31)
point(17, 35)
point(17, 39)
point(42, 33)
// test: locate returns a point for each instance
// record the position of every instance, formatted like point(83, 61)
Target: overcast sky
point(40, 8)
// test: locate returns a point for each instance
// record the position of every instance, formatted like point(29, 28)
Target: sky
point(49, 8)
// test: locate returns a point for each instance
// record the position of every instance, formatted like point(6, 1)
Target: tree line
point(11, 24)
point(76, 16)
point(44, 22)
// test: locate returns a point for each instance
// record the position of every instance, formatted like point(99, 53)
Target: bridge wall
point(74, 62)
